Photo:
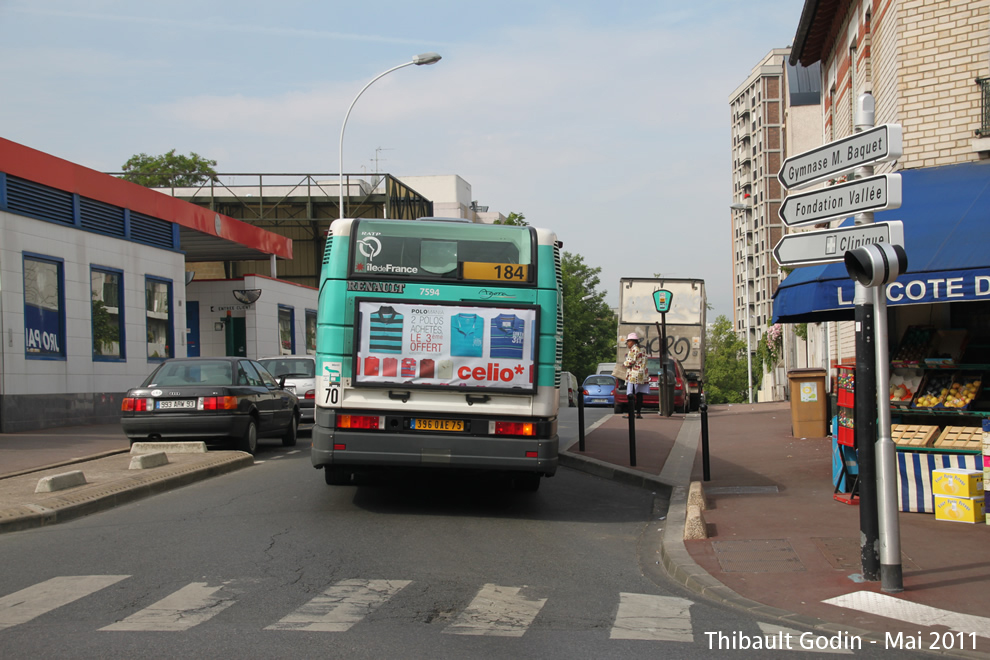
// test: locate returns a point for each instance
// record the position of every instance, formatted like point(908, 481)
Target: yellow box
point(960, 509)
point(957, 482)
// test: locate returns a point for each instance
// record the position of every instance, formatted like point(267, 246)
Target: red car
point(675, 374)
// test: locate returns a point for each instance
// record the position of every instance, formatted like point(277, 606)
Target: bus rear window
point(433, 250)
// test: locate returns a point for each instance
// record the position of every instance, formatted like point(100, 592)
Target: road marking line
point(26, 604)
point(655, 618)
point(189, 606)
point(497, 612)
point(341, 606)
point(902, 610)
point(789, 639)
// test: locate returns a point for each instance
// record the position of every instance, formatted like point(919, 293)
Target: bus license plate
point(164, 405)
point(438, 424)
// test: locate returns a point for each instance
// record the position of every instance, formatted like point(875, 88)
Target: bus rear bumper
point(373, 450)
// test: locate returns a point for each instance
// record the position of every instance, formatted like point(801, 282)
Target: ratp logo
point(369, 247)
point(332, 372)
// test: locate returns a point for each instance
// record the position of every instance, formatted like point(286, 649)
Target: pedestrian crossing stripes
point(903, 610)
point(187, 607)
point(655, 618)
point(27, 604)
point(493, 611)
point(498, 612)
point(341, 606)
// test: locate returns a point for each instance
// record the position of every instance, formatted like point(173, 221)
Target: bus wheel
point(336, 475)
point(528, 482)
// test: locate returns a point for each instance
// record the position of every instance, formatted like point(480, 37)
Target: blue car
point(598, 390)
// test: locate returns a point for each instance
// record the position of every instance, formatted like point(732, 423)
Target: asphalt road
point(270, 562)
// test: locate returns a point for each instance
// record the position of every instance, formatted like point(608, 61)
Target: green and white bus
point(438, 346)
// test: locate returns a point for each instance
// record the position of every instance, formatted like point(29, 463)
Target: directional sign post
point(875, 193)
point(830, 245)
point(877, 144)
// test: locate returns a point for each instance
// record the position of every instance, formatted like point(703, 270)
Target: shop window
point(286, 330)
point(107, 296)
point(310, 331)
point(44, 307)
point(158, 314)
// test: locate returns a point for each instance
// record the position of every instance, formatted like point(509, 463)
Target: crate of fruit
point(904, 385)
point(933, 390)
point(964, 389)
point(915, 346)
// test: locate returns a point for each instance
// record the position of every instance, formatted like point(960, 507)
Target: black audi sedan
point(211, 399)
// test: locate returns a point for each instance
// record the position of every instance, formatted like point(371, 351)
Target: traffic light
point(876, 264)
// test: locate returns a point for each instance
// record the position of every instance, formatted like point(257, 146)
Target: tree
point(725, 364)
point(589, 323)
point(169, 170)
point(514, 218)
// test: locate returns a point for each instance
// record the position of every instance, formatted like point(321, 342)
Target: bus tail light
point(514, 428)
point(358, 422)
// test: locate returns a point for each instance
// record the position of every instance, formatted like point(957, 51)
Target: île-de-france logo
point(369, 247)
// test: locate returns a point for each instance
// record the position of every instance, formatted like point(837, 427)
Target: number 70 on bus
point(329, 387)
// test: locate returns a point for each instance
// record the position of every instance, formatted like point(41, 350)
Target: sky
point(607, 122)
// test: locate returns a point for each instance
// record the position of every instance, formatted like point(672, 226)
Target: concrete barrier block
point(169, 447)
point(144, 461)
point(696, 495)
point(694, 526)
point(60, 481)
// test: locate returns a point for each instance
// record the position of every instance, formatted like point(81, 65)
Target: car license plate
point(438, 424)
point(598, 400)
point(166, 405)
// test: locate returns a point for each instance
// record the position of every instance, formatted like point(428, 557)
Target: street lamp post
point(749, 348)
point(418, 60)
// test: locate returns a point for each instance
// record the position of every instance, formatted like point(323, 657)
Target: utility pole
point(866, 386)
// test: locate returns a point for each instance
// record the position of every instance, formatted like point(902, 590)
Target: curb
point(677, 564)
point(72, 461)
point(84, 501)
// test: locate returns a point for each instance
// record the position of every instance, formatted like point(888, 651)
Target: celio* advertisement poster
point(445, 345)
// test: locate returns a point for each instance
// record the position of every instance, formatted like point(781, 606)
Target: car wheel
point(617, 408)
point(336, 475)
point(291, 433)
point(249, 441)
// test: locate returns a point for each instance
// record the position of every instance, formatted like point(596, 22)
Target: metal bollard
point(703, 407)
point(630, 406)
point(580, 402)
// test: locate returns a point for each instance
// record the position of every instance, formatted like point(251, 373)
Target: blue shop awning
point(946, 216)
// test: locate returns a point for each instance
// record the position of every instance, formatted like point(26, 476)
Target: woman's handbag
point(619, 371)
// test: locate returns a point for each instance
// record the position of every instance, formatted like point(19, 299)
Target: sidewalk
point(780, 545)
point(101, 453)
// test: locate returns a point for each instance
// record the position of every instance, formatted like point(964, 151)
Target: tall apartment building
point(927, 65)
point(776, 109)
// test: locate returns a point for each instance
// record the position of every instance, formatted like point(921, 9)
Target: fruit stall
point(938, 406)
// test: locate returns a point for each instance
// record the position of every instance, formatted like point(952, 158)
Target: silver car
point(300, 378)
